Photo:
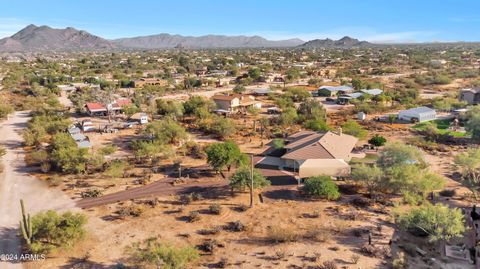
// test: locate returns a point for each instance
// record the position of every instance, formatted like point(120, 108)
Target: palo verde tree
point(469, 165)
point(242, 179)
point(438, 222)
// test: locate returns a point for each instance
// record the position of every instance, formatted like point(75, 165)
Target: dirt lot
point(325, 230)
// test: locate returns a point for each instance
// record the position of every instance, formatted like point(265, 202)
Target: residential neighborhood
point(199, 134)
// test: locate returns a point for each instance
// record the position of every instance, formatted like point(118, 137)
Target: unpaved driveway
point(16, 184)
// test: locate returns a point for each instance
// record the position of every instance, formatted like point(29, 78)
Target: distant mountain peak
point(344, 42)
point(42, 38)
point(163, 41)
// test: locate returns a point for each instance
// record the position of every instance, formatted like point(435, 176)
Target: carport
point(324, 167)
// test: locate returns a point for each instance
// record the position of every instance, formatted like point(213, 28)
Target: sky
point(388, 21)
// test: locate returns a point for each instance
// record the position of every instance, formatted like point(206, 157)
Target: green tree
point(239, 89)
point(473, 122)
point(223, 127)
point(397, 154)
point(254, 73)
point(51, 230)
point(469, 165)
point(352, 127)
point(377, 141)
point(241, 179)
point(288, 117)
point(322, 186)
point(67, 156)
point(166, 131)
point(221, 155)
point(438, 222)
point(196, 103)
point(170, 108)
point(371, 176)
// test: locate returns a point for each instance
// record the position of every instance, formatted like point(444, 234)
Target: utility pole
point(251, 180)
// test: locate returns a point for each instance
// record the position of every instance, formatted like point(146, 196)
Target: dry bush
point(318, 233)
point(355, 258)
point(54, 181)
point(134, 211)
point(212, 231)
point(215, 209)
point(279, 234)
point(361, 202)
point(329, 265)
point(194, 216)
point(341, 226)
point(236, 226)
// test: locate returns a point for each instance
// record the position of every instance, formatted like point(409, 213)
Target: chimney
point(339, 131)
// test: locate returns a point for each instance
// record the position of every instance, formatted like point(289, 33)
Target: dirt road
point(158, 188)
point(16, 184)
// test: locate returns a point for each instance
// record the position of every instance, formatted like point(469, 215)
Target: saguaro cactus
point(26, 225)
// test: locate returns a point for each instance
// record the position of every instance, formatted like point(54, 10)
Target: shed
point(323, 167)
point(372, 91)
point(78, 137)
point(417, 114)
point(264, 91)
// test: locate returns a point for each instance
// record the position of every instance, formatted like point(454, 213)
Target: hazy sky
point(372, 20)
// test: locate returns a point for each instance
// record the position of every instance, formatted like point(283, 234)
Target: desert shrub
point(400, 262)
point(352, 127)
point(322, 186)
point(51, 230)
point(438, 222)
point(215, 209)
point(92, 193)
point(193, 216)
point(107, 150)
point(236, 226)
point(355, 258)
point(5, 109)
point(134, 211)
point(318, 234)
point(279, 234)
point(212, 231)
point(370, 251)
point(54, 181)
point(189, 198)
point(329, 265)
point(151, 252)
point(208, 246)
point(116, 169)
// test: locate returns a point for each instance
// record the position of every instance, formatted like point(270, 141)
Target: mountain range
point(43, 38)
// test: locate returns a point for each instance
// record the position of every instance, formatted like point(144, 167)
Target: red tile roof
point(93, 107)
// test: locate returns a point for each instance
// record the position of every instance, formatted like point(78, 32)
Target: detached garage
point(323, 167)
point(418, 114)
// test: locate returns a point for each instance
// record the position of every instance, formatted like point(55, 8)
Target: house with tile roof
point(235, 102)
point(311, 153)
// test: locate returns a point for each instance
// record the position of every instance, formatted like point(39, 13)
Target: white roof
point(335, 88)
point(372, 91)
point(418, 110)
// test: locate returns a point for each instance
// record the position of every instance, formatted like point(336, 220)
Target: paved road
point(16, 184)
